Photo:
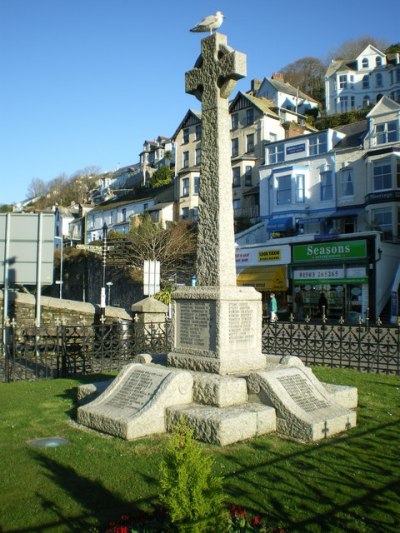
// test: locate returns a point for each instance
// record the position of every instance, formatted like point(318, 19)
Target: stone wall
point(22, 307)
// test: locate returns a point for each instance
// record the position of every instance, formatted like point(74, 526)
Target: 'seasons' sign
point(330, 251)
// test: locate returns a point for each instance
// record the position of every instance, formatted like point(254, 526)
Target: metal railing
point(364, 346)
point(32, 353)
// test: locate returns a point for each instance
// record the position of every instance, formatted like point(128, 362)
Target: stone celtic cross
point(212, 80)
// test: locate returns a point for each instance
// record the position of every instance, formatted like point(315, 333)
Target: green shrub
point(190, 492)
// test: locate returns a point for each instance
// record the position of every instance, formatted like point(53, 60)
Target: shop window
point(284, 190)
point(326, 186)
point(382, 175)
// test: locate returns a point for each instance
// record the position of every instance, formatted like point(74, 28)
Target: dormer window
point(365, 62)
point(318, 145)
point(387, 132)
point(378, 61)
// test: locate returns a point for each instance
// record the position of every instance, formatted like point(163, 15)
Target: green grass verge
point(349, 483)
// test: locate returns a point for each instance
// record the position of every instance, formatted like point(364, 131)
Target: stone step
point(219, 391)
point(224, 426)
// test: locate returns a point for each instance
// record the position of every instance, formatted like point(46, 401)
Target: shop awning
point(264, 278)
point(350, 212)
point(280, 224)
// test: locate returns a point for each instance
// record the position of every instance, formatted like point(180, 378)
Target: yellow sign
point(264, 278)
point(269, 255)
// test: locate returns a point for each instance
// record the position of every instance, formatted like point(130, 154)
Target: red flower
point(124, 517)
point(256, 521)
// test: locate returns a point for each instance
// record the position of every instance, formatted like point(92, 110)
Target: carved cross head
point(217, 69)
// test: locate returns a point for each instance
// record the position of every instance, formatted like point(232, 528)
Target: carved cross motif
point(211, 81)
point(216, 71)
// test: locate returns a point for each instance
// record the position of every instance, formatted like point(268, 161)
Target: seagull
point(210, 23)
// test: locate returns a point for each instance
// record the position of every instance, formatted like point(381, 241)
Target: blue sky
point(84, 82)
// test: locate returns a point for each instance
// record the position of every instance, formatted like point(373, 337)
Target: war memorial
point(216, 376)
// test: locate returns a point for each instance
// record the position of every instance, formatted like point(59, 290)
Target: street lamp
point(103, 285)
point(109, 285)
point(60, 281)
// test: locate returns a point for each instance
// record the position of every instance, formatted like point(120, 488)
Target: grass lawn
point(349, 483)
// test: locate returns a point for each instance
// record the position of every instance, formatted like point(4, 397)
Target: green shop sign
point(330, 251)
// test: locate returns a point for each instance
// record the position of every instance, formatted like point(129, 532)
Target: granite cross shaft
point(212, 80)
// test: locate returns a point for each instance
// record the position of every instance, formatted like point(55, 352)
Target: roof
point(190, 112)
point(133, 196)
point(287, 88)
point(263, 104)
point(354, 132)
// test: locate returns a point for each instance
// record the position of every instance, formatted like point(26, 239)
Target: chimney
point(278, 76)
point(255, 85)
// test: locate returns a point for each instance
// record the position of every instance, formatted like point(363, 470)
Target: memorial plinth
point(217, 329)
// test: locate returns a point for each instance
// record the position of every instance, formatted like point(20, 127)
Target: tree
point(6, 208)
point(37, 187)
point(351, 48)
point(174, 247)
point(162, 176)
point(190, 491)
point(393, 48)
point(307, 74)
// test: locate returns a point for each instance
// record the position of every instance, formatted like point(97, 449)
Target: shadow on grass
point(350, 483)
point(96, 499)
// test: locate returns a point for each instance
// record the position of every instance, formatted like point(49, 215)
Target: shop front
point(331, 278)
point(266, 269)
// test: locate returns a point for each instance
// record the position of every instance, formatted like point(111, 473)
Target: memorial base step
point(224, 426)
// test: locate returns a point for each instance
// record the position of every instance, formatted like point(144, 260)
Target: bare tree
point(353, 47)
point(37, 187)
point(307, 74)
point(174, 247)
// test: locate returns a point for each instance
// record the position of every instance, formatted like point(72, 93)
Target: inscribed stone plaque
point(241, 324)
point(194, 320)
point(301, 392)
point(136, 390)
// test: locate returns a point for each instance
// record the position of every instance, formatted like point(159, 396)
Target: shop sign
point(295, 148)
point(335, 275)
point(269, 255)
point(328, 251)
point(256, 256)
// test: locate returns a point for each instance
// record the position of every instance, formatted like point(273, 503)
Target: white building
point(359, 82)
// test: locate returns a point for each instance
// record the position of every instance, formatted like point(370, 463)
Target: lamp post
point(109, 285)
point(103, 285)
point(60, 281)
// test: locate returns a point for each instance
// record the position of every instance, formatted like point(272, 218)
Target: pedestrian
point(298, 300)
point(274, 308)
point(323, 305)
